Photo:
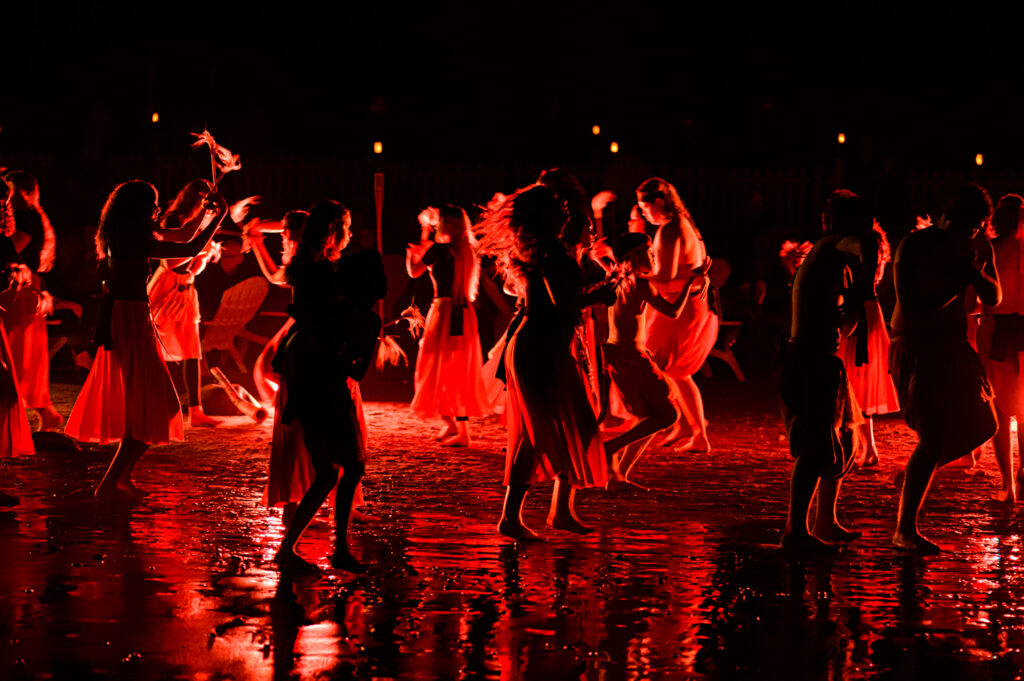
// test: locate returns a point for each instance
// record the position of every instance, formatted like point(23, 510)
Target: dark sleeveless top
point(440, 258)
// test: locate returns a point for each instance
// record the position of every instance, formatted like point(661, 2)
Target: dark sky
point(711, 83)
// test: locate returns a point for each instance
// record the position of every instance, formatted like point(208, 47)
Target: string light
point(156, 117)
point(614, 147)
point(842, 138)
point(596, 130)
point(378, 147)
point(978, 159)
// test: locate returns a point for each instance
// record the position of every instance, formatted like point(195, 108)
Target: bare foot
point(113, 492)
point(341, 559)
point(836, 534)
point(677, 433)
point(50, 418)
point(1006, 496)
point(569, 523)
point(871, 460)
point(197, 418)
point(617, 484)
point(456, 440)
point(447, 430)
point(518, 531)
point(7, 500)
point(806, 544)
point(289, 561)
point(915, 543)
point(131, 489)
point(360, 517)
point(698, 444)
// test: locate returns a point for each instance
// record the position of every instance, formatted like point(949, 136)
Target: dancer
point(15, 434)
point(26, 307)
point(448, 376)
point(332, 340)
point(869, 375)
point(817, 404)
point(946, 397)
point(129, 395)
point(646, 391)
point(1001, 339)
point(680, 347)
point(552, 430)
point(174, 303)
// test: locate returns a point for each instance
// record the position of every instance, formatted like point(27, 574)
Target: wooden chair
point(238, 306)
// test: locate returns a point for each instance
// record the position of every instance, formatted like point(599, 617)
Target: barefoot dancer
point(26, 307)
point(331, 341)
point(552, 431)
point(645, 389)
point(942, 385)
point(129, 395)
point(291, 470)
point(449, 366)
point(174, 303)
point(817, 404)
point(869, 376)
point(1001, 338)
point(680, 347)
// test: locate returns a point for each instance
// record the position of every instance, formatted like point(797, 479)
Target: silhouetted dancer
point(448, 378)
point(946, 397)
point(552, 429)
point(332, 340)
point(129, 395)
point(1001, 339)
point(815, 396)
point(646, 391)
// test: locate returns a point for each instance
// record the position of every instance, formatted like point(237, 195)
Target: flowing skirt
point(871, 382)
point(681, 346)
point(128, 391)
point(552, 429)
point(15, 433)
point(30, 354)
point(449, 368)
point(174, 304)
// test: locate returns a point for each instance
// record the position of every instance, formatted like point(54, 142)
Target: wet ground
point(682, 581)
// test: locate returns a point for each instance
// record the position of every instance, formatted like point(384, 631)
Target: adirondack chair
point(238, 306)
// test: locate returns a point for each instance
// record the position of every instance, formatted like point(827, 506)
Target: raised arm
point(271, 270)
point(170, 251)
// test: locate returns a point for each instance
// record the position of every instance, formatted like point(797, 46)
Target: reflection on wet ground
point(679, 582)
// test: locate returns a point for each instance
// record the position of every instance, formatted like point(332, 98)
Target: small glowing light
point(378, 147)
point(156, 117)
point(978, 159)
point(596, 130)
point(614, 147)
point(842, 138)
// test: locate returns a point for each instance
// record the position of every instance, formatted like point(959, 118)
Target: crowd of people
point(596, 362)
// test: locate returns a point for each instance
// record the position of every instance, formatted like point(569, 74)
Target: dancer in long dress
point(552, 430)
point(448, 378)
point(1001, 339)
point(129, 396)
point(25, 308)
point(866, 358)
point(174, 302)
point(332, 340)
point(680, 346)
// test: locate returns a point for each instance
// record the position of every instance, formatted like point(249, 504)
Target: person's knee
point(355, 469)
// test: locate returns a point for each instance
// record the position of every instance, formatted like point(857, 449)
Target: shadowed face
point(654, 211)
point(640, 260)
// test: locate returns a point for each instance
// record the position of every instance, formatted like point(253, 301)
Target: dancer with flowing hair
point(946, 396)
point(552, 430)
point(24, 308)
point(449, 365)
point(866, 357)
point(1001, 339)
point(680, 346)
point(129, 396)
point(174, 302)
point(332, 340)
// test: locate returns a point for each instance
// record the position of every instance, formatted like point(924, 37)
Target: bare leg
point(1004, 457)
point(920, 469)
point(1020, 452)
point(826, 525)
point(511, 523)
point(196, 415)
point(563, 513)
point(342, 558)
point(802, 485)
point(693, 412)
point(461, 436)
point(867, 431)
point(323, 482)
point(447, 430)
point(49, 418)
point(642, 430)
point(118, 478)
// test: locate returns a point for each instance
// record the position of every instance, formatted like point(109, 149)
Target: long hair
point(454, 224)
point(569, 190)
point(126, 222)
point(187, 204)
point(846, 213)
point(884, 253)
point(292, 225)
point(519, 231)
point(319, 236)
point(26, 197)
point(1008, 217)
point(6, 211)
point(656, 188)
